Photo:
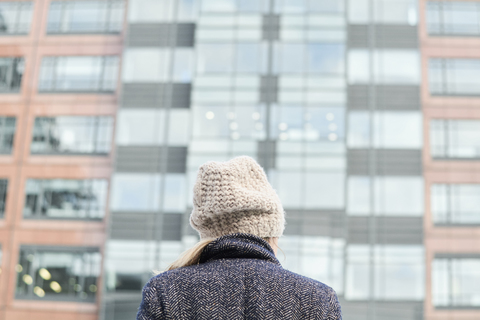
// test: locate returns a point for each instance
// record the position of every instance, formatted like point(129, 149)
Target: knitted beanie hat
point(235, 196)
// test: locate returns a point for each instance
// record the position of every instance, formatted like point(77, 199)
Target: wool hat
point(235, 196)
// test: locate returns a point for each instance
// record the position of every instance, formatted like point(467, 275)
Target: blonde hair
point(191, 256)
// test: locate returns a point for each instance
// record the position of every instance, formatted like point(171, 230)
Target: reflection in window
point(455, 282)
point(11, 74)
point(390, 66)
point(3, 198)
point(454, 77)
point(7, 134)
point(242, 122)
point(306, 6)
point(85, 16)
point(296, 123)
point(393, 196)
point(309, 190)
point(455, 203)
point(317, 58)
point(15, 17)
point(399, 272)
point(58, 273)
point(129, 263)
point(78, 74)
point(319, 258)
point(455, 139)
point(72, 135)
point(65, 199)
point(153, 65)
point(135, 191)
point(403, 12)
point(234, 5)
point(453, 18)
point(228, 58)
point(391, 129)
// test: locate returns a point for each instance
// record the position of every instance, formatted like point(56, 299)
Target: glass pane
point(7, 134)
point(11, 74)
point(215, 58)
point(65, 274)
point(139, 192)
point(65, 199)
point(400, 196)
point(140, 127)
point(72, 135)
point(398, 130)
point(3, 199)
point(148, 65)
point(15, 17)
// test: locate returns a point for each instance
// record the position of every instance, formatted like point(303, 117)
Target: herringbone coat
point(238, 277)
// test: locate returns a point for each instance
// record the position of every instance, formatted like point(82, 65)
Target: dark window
point(58, 273)
point(3, 196)
point(85, 17)
point(455, 282)
point(456, 204)
point(65, 199)
point(79, 74)
point(7, 133)
point(455, 139)
point(11, 73)
point(72, 135)
point(453, 18)
point(454, 77)
point(15, 17)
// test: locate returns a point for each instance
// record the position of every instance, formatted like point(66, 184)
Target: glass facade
point(58, 273)
point(453, 18)
point(455, 204)
point(7, 134)
point(72, 135)
point(84, 17)
point(78, 74)
point(15, 17)
point(455, 282)
point(65, 199)
point(455, 139)
point(454, 77)
point(11, 73)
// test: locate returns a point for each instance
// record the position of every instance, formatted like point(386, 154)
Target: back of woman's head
point(232, 197)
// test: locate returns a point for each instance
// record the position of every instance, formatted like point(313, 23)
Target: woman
point(232, 273)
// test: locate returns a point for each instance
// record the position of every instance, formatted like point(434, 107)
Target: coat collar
point(238, 245)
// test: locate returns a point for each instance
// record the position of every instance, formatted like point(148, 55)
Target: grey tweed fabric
point(238, 277)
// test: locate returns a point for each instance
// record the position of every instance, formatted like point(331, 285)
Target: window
point(455, 203)
point(234, 5)
point(227, 58)
point(309, 190)
point(453, 18)
point(75, 135)
point(399, 272)
point(319, 258)
point(296, 123)
point(135, 192)
point(78, 74)
point(455, 281)
point(390, 66)
point(391, 129)
point(384, 12)
point(455, 139)
point(306, 6)
point(65, 199)
point(7, 134)
point(3, 196)
point(58, 273)
point(393, 196)
point(86, 16)
point(15, 17)
point(454, 77)
point(315, 58)
point(242, 122)
point(11, 74)
point(153, 65)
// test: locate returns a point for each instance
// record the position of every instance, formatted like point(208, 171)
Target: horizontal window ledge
point(99, 33)
point(75, 219)
point(75, 92)
point(457, 225)
point(457, 307)
point(56, 298)
point(453, 35)
point(68, 154)
point(455, 159)
point(452, 95)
